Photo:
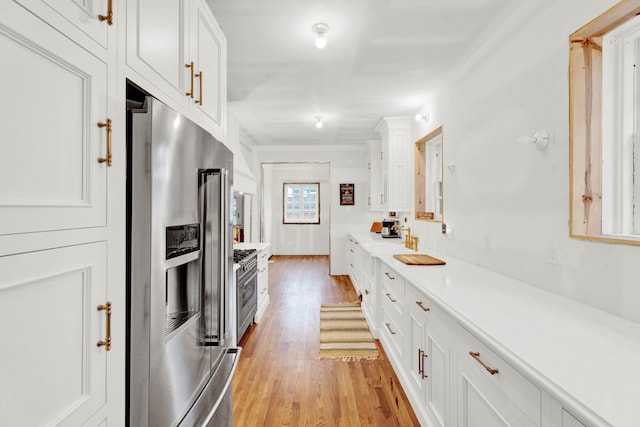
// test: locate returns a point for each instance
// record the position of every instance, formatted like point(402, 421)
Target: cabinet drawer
point(393, 332)
point(391, 279)
point(393, 302)
point(508, 382)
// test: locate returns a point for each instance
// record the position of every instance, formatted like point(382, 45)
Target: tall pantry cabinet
point(61, 216)
point(63, 188)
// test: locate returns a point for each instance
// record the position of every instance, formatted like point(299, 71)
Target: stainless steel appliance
point(181, 314)
point(390, 228)
point(247, 288)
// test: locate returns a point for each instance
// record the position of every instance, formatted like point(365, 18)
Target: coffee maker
point(390, 228)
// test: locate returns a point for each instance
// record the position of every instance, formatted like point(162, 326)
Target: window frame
point(301, 221)
point(586, 128)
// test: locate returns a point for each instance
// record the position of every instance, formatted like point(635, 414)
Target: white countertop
point(251, 245)
point(585, 357)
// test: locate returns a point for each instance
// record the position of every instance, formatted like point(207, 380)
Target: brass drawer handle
point(190, 65)
point(109, 16)
point(476, 355)
point(422, 306)
point(390, 297)
point(421, 356)
point(389, 328)
point(366, 291)
point(107, 159)
point(107, 342)
point(386, 273)
point(199, 75)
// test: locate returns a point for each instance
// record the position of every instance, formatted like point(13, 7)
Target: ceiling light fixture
point(320, 29)
point(318, 122)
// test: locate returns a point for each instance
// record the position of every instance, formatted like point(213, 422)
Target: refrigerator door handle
point(232, 352)
point(214, 200)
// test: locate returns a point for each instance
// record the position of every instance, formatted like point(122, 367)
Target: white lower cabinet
point(490, 392)
point(354, 265)
point(53, 372)
point(263, 281)
point(429, 357)
point(393, 321)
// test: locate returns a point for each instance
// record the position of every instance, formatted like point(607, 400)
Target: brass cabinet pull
point(389, 328)
point(190, 65)
point(424, 356)
point(421, 356)
point(366, 291)
point(107, 159)
point(109, 16)
point(476, 355)
point(386, 273)
point(107, 342)
point(422, 306)
point(199, 75)
point(351, 250)
point(388, 294)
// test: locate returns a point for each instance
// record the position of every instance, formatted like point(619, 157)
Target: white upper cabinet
point(209, 50)
point(179, 49)
point(158, 45)
point(89, 23)
point(395, 173)
point(50, 177)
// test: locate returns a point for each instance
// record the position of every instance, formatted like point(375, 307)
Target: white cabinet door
point(490, 391)
point(437, 367)
point(76, 18)
point(53, 372)
point(158, 46)
point(54, 93)
point(209, 50)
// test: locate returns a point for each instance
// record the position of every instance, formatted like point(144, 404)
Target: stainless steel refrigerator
point(181, 348)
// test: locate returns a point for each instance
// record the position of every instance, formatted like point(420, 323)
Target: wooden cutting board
point(376, 227)
point(418, 259)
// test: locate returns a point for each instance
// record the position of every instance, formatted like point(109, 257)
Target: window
point(301, 203)
point(604, 103)
point(620, 151)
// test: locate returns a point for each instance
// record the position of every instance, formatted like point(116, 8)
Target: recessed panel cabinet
point(50, 176)
point(53, 372)
point(428, 360)
point(179, 49)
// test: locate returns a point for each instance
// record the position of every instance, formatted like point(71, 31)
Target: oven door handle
point(244, 281)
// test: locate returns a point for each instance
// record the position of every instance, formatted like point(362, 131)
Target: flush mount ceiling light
point(320, 29)
point(318, 122)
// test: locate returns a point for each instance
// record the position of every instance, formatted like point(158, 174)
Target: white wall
point(347, 165)
point(295, 239)
point(508, 204)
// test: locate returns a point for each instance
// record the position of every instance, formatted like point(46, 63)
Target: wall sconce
point(540, 139)
point(318, 122)
point(422, 117)
point(320, 29)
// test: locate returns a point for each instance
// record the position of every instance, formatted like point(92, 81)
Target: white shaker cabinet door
point(54, 94)
point(77, 18)
point(209, 49)
point(53, 373)
point(158, 47)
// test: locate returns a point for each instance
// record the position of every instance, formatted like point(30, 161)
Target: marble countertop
point(251, 245)
point(586, 358)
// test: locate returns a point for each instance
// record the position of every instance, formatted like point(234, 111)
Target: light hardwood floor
point(280, 382)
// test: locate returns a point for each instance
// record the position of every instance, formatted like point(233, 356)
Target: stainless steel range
point(246, 286)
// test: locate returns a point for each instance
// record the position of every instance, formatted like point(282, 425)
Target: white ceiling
point(383, 58)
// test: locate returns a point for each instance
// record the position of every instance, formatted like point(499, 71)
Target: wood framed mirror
point(428, 176)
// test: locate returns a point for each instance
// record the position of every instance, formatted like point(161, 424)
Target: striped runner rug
point(344, 333)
